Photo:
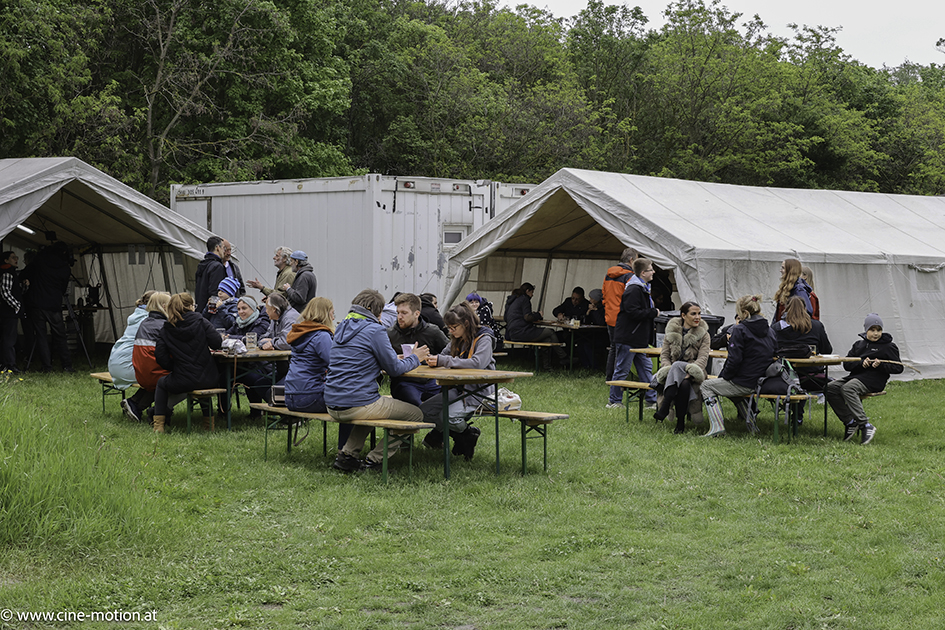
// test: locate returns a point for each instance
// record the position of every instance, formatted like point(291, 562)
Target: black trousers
point(39, 319)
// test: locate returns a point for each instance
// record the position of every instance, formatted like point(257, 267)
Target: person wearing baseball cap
point(303, 288)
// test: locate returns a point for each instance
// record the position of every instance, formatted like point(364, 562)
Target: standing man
point(410, 328)
point(48, 276)
point(284, 276)
point(634, 329)
point(11, 296)
point(303, 286)
point(210, 272)
point(614, 284)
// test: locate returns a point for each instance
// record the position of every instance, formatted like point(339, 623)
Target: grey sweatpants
point(844, 398)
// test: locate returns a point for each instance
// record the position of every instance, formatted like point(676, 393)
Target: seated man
point(359, 351)
point(574, 307)
point(407, 330)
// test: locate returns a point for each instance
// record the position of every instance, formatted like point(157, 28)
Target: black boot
point(669, 394)
point(465, 443)
point(433, 439)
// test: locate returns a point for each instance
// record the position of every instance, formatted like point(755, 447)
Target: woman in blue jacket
point(751, 349)
point(310, 339)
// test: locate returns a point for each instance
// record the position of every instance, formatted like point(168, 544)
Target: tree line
point(188, 91)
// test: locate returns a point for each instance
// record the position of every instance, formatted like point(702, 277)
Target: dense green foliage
point(160, 91)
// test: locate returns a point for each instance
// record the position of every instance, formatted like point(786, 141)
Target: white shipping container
point(371, 231)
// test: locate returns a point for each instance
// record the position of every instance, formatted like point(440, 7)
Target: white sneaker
point(611, 405)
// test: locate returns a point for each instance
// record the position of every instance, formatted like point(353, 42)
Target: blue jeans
point(412, 391)
point(623, 360)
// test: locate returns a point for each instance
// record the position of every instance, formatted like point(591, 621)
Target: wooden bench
point(108, 386)
point(536, 422)
point(537, 345)
point(640, 387)
point(199, 394)
point(290, 419)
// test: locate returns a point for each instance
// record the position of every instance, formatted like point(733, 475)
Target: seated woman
point(310, 339)
point(483, 308)
point(470, 347)
point(183, 348)
point(750, 351)
point(281, 318)
point(258, 379)
point(147, 370)
point(250, 318)
point(683, 360)
point(798, 329)
point(120, 364)
point(519, 325)
point(792, 284)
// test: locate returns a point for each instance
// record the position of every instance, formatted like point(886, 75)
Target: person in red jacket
point(614, 284)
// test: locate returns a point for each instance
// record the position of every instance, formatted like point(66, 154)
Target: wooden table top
point(255, 355)
point(465, 375)
point(655, 352)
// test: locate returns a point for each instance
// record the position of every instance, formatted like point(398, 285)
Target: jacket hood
point(304, 267)
point(357, 320)
point(635, 279)
point(188, 328)
point(301, 329)
point(211, 257)
point(884, 338)
point(675, 325)
point(756, 325)
point(618, 270)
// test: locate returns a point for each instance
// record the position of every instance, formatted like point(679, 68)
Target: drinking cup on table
point(250, 341)
point(407, 348)
point(222, 331)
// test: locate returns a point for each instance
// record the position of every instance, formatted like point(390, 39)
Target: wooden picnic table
point(567, 325)
point(247, 358)
point(447, 378)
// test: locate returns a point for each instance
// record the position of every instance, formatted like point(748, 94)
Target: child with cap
point(879, 358)
point(221, 309)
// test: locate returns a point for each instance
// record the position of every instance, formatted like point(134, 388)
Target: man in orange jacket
point(614, 284)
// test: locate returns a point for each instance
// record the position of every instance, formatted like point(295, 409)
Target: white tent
point(123, 238)
point(869, 252)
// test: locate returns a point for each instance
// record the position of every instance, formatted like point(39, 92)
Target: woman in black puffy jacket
point(183, 348)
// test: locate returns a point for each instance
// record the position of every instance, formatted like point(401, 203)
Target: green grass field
point(631, 527)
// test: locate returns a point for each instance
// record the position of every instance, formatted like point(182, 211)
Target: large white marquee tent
point(869, 252)
point(123, 239)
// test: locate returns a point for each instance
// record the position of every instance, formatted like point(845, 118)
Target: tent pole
point(167, 277)
point(544, 282)
point(108, 296)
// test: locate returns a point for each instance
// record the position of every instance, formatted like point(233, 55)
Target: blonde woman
point(310, 339)
point(183, 348)
point(792, 284)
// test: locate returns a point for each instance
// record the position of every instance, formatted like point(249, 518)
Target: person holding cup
point(408, 332)
point(250, 319)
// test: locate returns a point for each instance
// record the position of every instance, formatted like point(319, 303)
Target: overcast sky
point(874, 33)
